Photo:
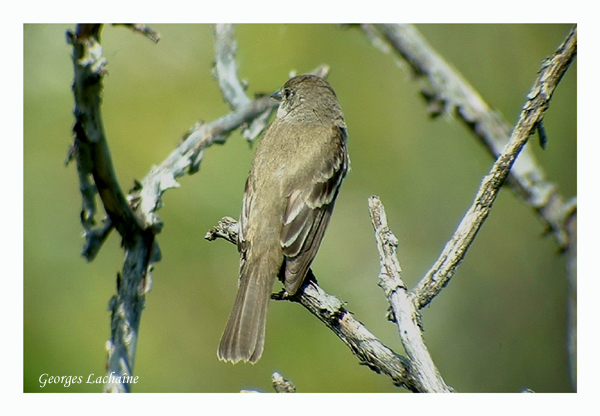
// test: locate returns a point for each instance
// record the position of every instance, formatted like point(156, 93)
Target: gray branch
point(282, 385)
point(233, 89)
point(532, 114)
point(143, 29)
point(186, 158)
point(225, 69)
point(90, 149)
point(448, 92)
point(405, 312)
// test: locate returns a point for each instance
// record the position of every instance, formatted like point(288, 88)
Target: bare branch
point(532, 114)
point(188, 156)
point(91, 151)
point(143, 29)
point(406, 314)
point(447, 91)
point(225, 69)
point(90, 147)
point(94, 238)
point(227, 229)
point(282, 385)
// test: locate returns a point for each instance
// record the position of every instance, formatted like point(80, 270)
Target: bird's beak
point(276, 95)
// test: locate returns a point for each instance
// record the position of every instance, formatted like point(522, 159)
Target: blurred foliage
point(499, 326)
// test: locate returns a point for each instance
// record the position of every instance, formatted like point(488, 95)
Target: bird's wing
point(242, 244)
point(307, 214)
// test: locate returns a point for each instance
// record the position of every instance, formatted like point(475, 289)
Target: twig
point(405, 312)
point(282, 385)
point(447, 91)
point(533, 111)
point(94, 238)
point(187, 157)
point(225, 69)
point(232, 88)
point(330, 310)
point(143, 29)
point(90, 147)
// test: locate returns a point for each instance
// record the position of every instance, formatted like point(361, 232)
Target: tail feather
point(244, 335)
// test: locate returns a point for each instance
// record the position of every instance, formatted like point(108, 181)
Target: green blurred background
point(499, 326)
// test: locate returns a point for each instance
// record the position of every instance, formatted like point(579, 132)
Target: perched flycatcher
point(295, 177)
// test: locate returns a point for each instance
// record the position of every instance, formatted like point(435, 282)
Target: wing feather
point(308, 212)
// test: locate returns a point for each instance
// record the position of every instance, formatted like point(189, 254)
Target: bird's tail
point(244, 335)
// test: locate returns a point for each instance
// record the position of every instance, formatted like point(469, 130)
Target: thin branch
point(186, 158)
point(532, 114)
point(330, 310)
point(143, 29)
point(90, 147)
point(233, 89)
point(447, 91)
point(225, 69)
point(94, 238)
point(405, 312)
point(282, 385)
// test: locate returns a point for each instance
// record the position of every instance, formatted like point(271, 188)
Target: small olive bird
point(294, 180)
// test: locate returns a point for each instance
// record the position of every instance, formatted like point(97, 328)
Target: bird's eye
point(287, 93)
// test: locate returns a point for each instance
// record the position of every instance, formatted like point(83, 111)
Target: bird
point(294, 180)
